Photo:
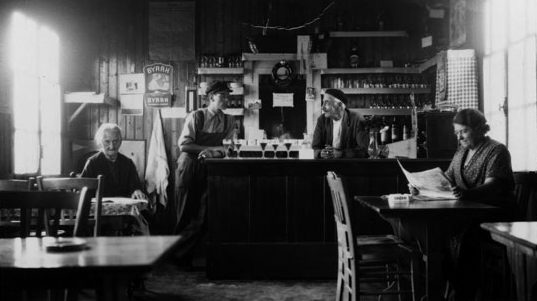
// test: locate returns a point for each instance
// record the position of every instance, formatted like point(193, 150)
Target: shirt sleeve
point(188, 135)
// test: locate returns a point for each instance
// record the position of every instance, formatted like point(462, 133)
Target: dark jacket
point(354, 138)
point(120, 177)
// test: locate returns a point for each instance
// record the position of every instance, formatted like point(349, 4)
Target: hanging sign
point(282, 100)
point(158, 85)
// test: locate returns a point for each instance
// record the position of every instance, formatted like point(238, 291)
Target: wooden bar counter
point(273, 218)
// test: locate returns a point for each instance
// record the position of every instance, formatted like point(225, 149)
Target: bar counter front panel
point(273, 218)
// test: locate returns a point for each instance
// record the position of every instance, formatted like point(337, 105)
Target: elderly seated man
point(120, 175)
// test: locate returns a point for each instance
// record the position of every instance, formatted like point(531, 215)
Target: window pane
point(494, 94)
point(531, 16)
point(26, 152)
point(517, 19)
point(522, 104)
point(497, 30)
point(51, 161)
point(25, 102)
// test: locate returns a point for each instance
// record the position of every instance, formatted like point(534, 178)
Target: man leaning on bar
point(339, 133)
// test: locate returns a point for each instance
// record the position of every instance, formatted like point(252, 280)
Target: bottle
point(384, 132)
point(395, 130)
point(354, 58)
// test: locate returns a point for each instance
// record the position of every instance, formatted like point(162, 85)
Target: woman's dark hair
point(472, 118)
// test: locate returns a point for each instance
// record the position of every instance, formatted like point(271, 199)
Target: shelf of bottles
point(377, 83)
point(400, 70)
point(382, 102)
point(222, 70)
point(369, 34)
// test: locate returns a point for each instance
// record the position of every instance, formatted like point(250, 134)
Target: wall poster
point(158, 85)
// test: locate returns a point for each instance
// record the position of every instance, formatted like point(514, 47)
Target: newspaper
point(432, 184)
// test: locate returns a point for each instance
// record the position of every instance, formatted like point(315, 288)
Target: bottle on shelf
point(395, 130)
point(354, 58)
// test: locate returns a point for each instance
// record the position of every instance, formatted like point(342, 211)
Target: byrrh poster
point(158, 85)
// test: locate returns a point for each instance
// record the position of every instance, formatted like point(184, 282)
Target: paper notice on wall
point(173, 112)
point(132, 104)
point(282, 99)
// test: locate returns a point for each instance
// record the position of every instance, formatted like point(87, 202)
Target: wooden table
point(107, 265)
point(430, 223)
point(520, 239)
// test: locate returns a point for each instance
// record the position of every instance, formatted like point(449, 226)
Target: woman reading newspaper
point(480, 171)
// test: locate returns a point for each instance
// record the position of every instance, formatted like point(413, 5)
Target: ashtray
point(62, 244)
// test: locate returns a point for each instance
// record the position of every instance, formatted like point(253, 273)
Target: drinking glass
point(263, 143)
point(275, 143)
point(287, 143)
point(238, 143)
point(227, 143)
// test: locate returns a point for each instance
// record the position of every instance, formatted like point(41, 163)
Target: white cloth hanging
point(157, 170)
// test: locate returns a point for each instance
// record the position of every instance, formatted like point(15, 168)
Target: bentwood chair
point(372, 260)
point(94, 186)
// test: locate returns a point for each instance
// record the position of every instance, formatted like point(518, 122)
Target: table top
point(103, 253)
point(428, 209)
point(522, 233)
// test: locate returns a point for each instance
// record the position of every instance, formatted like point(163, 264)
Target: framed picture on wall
point(133, 83)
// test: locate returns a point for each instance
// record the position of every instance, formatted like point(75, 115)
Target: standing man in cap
point(201, 138)
point(339, 133)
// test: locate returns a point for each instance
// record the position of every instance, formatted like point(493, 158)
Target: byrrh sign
point(158, 85)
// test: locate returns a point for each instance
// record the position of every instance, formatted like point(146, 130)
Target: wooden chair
point(94, 186)
point(26, 201)
point(9, 219)
point(372, 259)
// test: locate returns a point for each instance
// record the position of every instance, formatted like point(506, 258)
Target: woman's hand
point(139, 195)
point(413, 190)
point(460, 193)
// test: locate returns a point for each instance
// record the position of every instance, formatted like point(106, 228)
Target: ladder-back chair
point(94, 186)
point(9, 218)
point(54, 201)
point(372, 259)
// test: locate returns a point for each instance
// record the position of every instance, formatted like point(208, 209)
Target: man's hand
point(460, 193)
point(139, 195)
point(327, 152)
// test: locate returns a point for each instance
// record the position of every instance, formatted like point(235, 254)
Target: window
point(36, 97)
point(510, 77)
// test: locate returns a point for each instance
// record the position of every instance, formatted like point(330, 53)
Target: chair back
point(346, 239)
point(54, 201)
point(526, 195)
point(94, 186)
point(8, 215)
point(16, 185)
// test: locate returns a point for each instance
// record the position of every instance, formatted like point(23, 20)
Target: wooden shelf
point(370, 70)
point(209, 71)
point(379, 111)
point(269, 56)
point(383, 90)
point(368, 34)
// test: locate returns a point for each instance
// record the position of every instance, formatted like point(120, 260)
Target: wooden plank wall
point(102, 39)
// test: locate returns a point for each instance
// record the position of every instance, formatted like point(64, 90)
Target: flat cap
point(217, 86)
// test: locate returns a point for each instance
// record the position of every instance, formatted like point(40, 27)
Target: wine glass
point(238, 143)
point(275, 143)
point(287, 143)
point(263, 143)
point(227, 145)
